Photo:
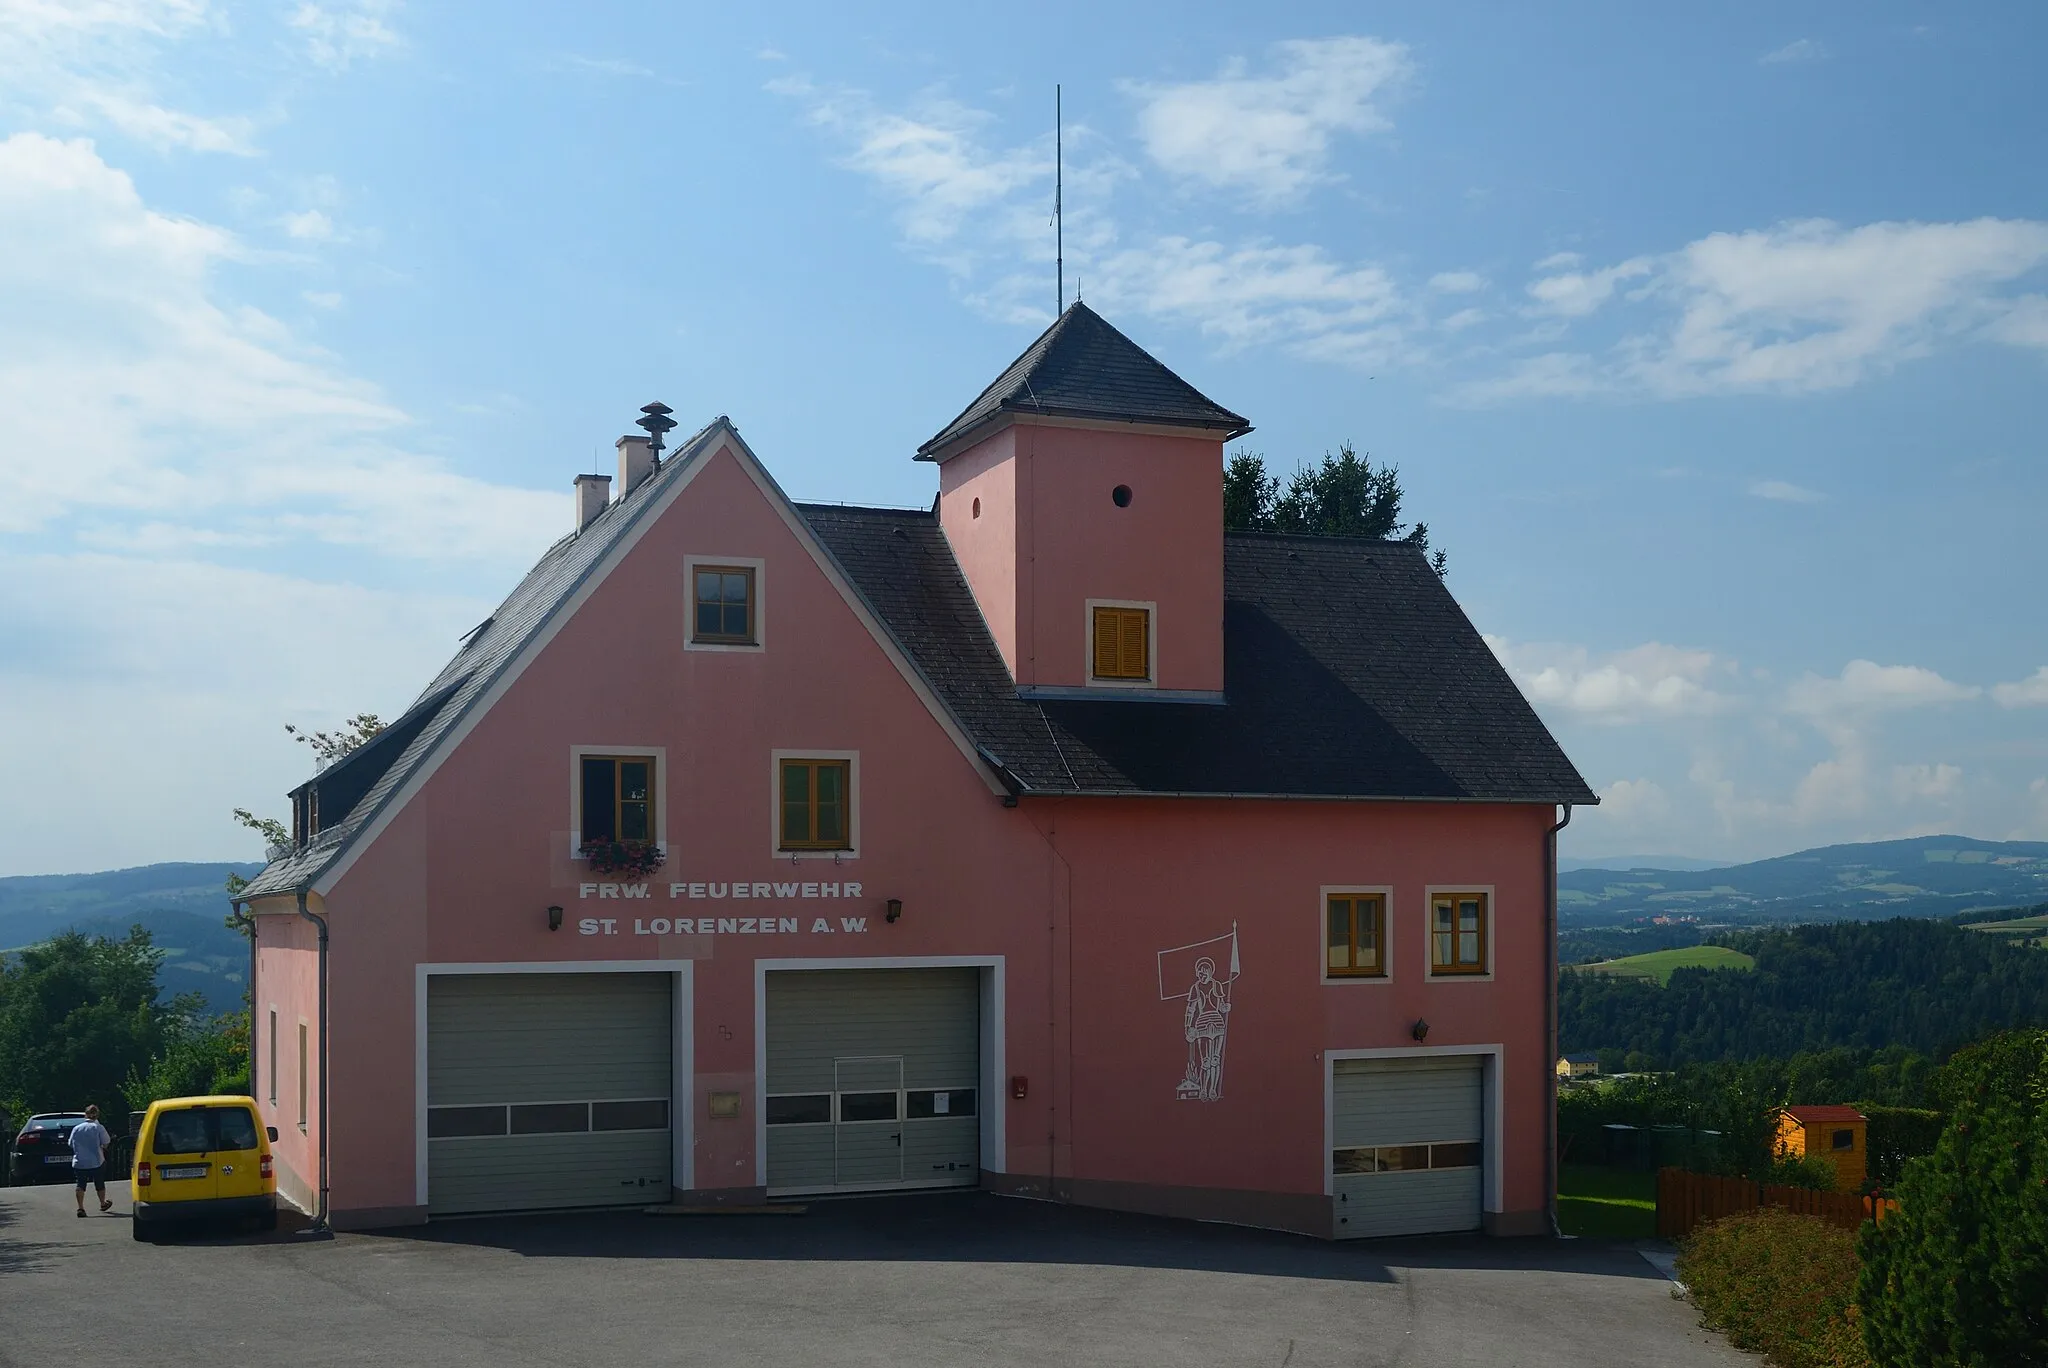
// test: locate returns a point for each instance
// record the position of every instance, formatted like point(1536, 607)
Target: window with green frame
point(1457, 933)
point(1355, 935)
point(817, 805)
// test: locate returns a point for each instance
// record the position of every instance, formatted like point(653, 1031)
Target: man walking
point(89, 1141)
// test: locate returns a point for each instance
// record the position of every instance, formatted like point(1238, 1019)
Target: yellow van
point(203, 1158)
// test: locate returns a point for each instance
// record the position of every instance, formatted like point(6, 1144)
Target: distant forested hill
point(1929, 876)
point(1926, 985)
point(181, 905)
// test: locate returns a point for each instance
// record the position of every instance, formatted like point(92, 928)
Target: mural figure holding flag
point(1205, 1021)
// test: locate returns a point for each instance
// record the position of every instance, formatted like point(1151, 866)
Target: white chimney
point(636, 463)
point(593, 493)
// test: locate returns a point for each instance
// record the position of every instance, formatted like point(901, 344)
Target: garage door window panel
point(650, 1114)
point(447, 1123)
point(806, 1109)
point(937, 1103)
point(551, 1118)
point(868, 1106)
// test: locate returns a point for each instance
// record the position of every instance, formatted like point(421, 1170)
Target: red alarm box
point(1019, 1086)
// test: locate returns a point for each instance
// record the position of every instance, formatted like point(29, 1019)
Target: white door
point(873, 1079)
point(548, 1090)
point(1406, 1151)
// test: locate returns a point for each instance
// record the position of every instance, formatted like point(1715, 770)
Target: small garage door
point(873, 1079)
point(1406, 1154)
point(547, 1090)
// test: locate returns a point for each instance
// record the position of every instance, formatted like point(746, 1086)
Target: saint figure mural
point(1188, 973)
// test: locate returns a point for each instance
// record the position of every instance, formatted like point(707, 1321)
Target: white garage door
point(873, 1079)
point(548, 1090)
point(1406, 1155)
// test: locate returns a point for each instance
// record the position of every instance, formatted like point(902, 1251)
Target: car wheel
point(268, 1221)
point(142, 1233)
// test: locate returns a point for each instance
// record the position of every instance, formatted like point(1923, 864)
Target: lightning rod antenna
point(1059, 232)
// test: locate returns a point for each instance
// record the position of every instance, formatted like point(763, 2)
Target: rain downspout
point(320, 1216)
point(1549, 1018)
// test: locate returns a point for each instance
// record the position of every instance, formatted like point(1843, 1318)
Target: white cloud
point(1269, 134)
point(1634, 803)
point(2029, 692)
point(336, 35)
point(606, 66)
point(322, 299)
point(1462, 319)
point(309, 226)
point(1798, 50)
point(163, 128)
point(1781, 491)
point(1799, 308)
point(1642, 683)
point(1925, 781)
point(1575, 294)
point(1297, 296)
point(1865, 686)
point(1457, 282)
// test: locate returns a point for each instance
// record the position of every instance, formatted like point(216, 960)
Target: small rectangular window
point(551, 1118)
point(873, 1106)
point(1355, 935)
point(1457, 933)
point(722, 610)
point(624, 1116)
point(1357, 1159)
point(1464, 1154)
point(926, 1103)
point(271, 1057)
point(817, 805)
point(1845, 1139)
point(809, 1109)
point(1123, 646)
point(618, 798)
point(446, 1123)
point(302, 1074)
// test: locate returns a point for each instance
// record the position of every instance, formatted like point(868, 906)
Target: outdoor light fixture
point(554, 919)
point(1419, 1030)
point(895, 906)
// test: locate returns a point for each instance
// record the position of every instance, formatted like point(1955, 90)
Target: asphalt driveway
point(948, 1279)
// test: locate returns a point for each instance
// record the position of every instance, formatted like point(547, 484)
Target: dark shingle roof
point(1081, 367)
point(1349, 671)
point(463, 680)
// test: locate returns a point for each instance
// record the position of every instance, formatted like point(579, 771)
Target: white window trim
point(775, 850)
point(1387, 920)
point(1088, 643)
point(576, 754)
point(760, 569)
point(1429, 893)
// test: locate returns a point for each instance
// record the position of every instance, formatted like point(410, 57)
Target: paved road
point(924, 1280)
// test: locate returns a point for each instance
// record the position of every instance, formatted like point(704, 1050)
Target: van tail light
point(263, 1170)
point(142, 1174)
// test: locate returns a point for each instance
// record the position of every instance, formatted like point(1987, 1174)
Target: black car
point(42, 1151)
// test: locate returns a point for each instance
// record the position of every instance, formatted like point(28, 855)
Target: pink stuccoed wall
point(288, 979)
point(1069, 543)
point(1076, 896)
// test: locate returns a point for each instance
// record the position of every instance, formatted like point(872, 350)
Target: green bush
point(1958, 1275)
point(1897, 1134)
point(1778, 1284)
point(1801, 1171)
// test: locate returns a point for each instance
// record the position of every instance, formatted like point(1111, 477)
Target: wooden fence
point(1686, 1200)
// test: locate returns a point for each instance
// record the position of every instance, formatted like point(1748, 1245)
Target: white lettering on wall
point(718, 926)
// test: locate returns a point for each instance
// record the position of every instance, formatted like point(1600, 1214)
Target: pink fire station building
point(1054, 841)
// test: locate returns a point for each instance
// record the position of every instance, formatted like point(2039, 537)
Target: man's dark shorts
point(96, 1176)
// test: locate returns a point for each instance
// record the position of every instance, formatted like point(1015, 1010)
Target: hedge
point(1780, 1285)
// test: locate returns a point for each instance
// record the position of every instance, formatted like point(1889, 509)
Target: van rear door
point(238, 1156)
point(182, 1145)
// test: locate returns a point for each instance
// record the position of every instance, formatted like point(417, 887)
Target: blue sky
point(1710, 344)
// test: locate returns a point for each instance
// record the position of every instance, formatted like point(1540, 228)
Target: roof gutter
point(1568, 803)
point(1550, 1018)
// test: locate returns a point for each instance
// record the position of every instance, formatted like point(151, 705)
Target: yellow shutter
point(1134, 662)
point(1106, 639)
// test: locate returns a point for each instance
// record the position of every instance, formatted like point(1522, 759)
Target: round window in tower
point(1121, 496)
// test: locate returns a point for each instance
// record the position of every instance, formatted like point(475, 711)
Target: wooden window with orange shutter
point(1122, 639)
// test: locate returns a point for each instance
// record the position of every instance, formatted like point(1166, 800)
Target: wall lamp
point(895, 906)
point(554, 919)
point(1420, 1030)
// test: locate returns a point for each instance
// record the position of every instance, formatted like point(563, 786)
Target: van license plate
point(185, 1171)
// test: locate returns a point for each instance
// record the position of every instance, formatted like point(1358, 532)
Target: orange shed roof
point(1821, 1116)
